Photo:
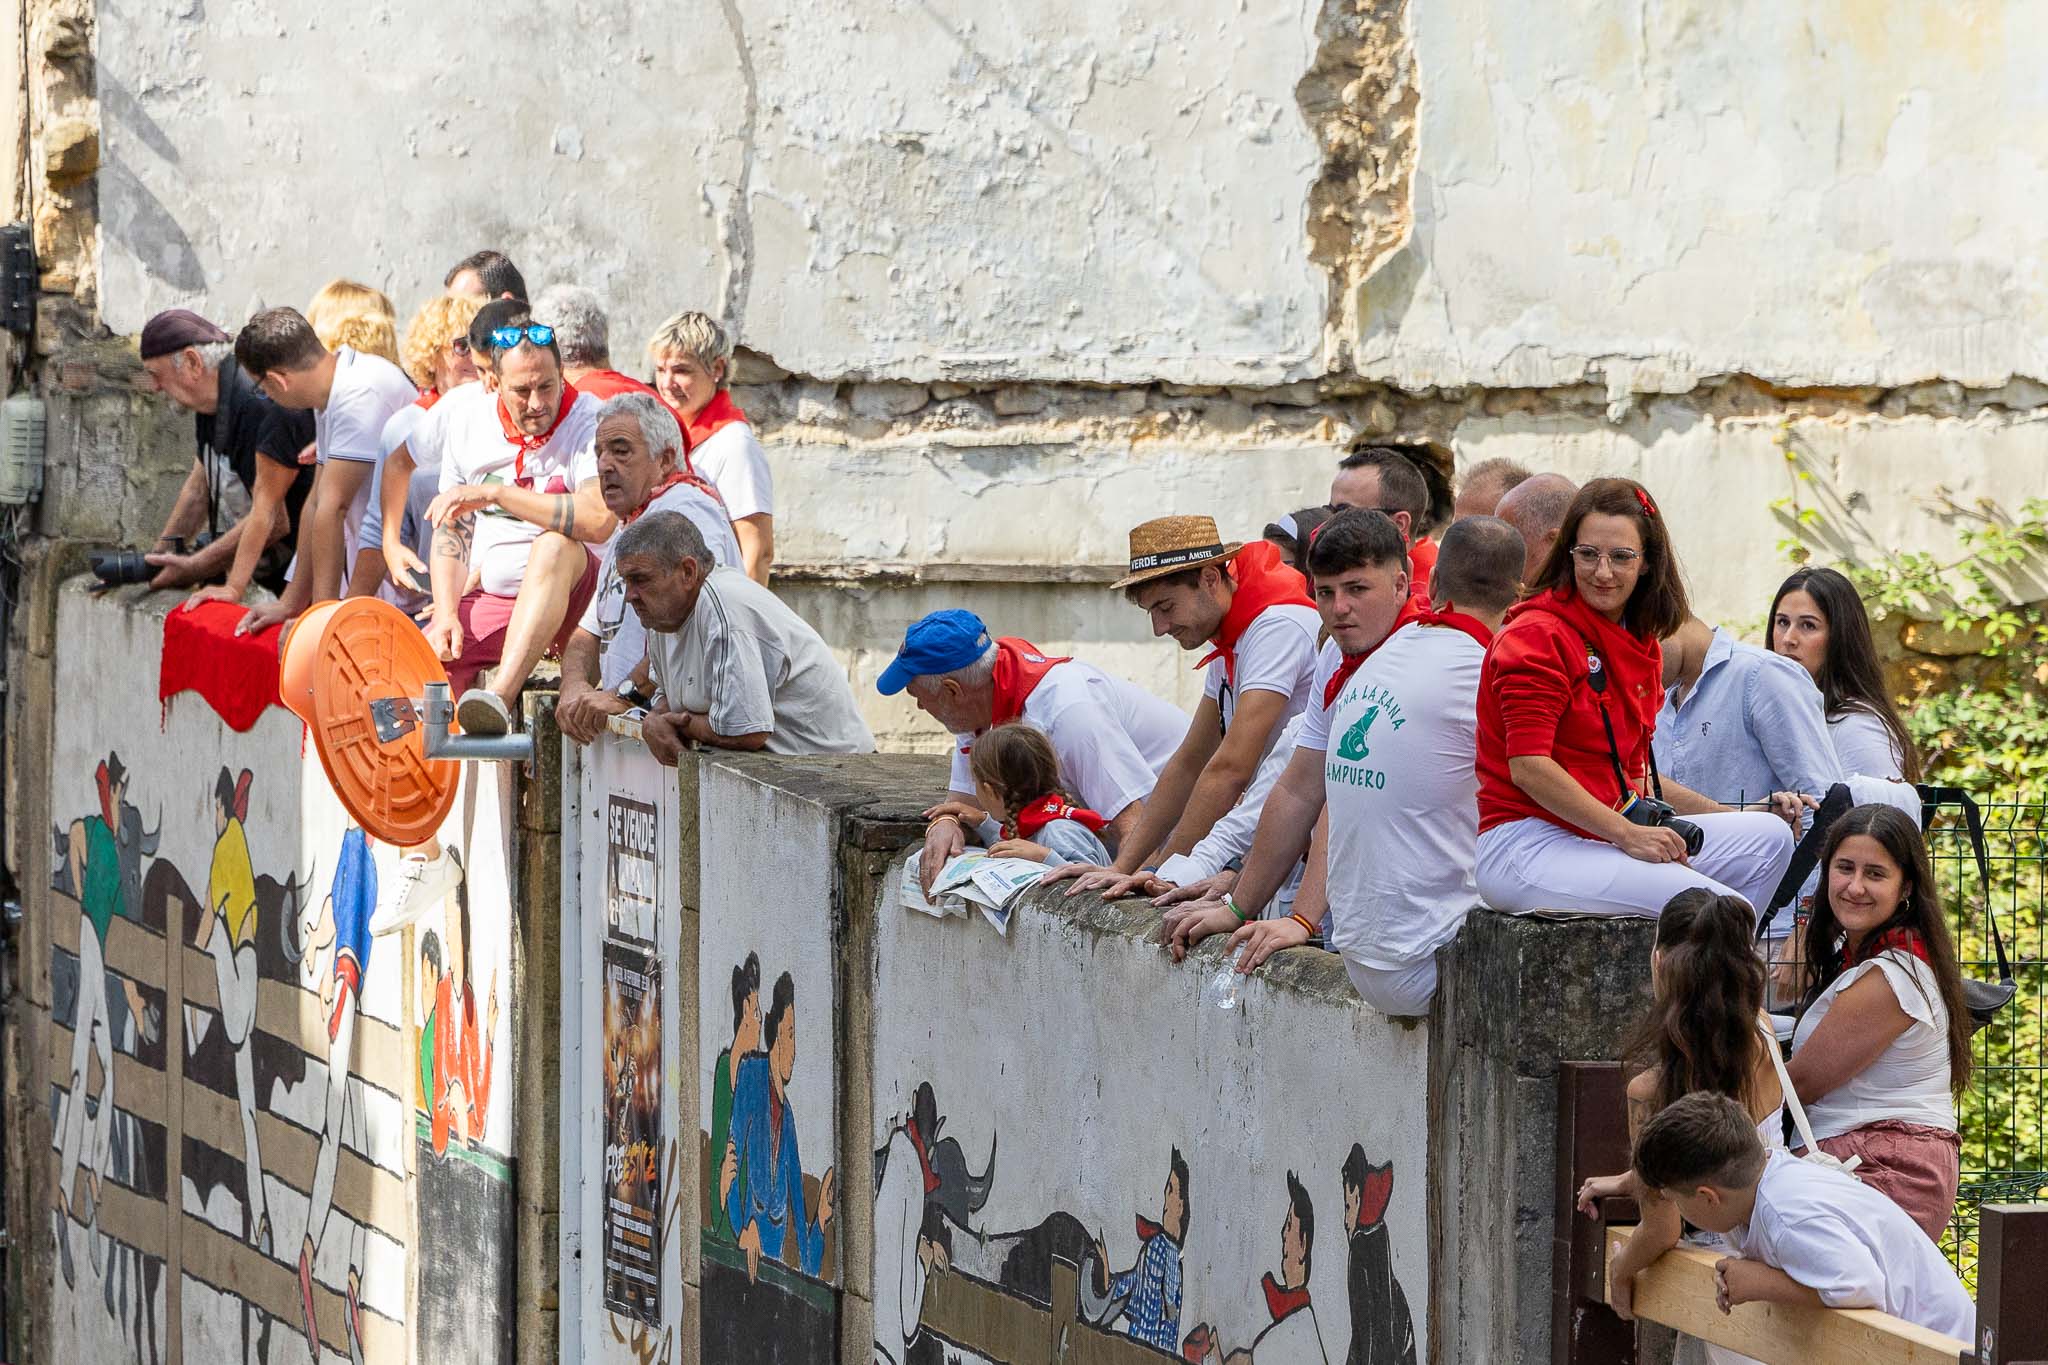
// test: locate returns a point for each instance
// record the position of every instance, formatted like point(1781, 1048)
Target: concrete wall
point(180, 1237)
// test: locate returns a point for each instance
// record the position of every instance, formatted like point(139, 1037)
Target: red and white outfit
point(724, 450)
point(1397, 750)
point(1267, 642)
point(1899, 1112)
point(485, 446)
point(1112, 736)
point(1536, 699)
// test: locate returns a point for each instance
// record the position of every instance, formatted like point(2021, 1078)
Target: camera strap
point(1596, 679)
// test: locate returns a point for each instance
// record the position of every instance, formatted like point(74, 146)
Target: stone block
point(71, 149)
point(884, 402)
point(1943, 641)
point(819, 403)
point(945, 389)
point(751, 367)
point(1020, 400)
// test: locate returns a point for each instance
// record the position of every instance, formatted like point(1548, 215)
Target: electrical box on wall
point(17, 279)
point(21, 449)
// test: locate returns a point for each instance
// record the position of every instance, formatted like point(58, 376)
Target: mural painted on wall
point(232, 1090)
point(765, 1228)
point(1007, 1295)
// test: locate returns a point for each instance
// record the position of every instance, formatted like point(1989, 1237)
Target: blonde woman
point(437, 358)
point(345, 313)
point(692, 357)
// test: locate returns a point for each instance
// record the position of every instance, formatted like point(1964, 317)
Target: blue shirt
point(1753, 724)
point(770, 1189)
point(1152, 1290)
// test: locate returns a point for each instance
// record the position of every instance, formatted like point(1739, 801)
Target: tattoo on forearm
point(562, 516)
point(453, 539)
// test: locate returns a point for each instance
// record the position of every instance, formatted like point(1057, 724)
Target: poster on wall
point(631, 869)
point(632, 1139)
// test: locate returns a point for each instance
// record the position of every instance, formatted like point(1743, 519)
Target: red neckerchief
point(924, 1161)
point(721, 411)
point(428, 397)
point(1453, 619)
point(1373, 1198)
point(106, 786)
point(1020, 667)
point(1282, 1302)
point(528, 444)
point(1262, 581)
point(1634, 663)
point(1898, 937)
point(1147, 1230)
point(242, 794)
point(675, 477)
point(1047, 809)
point(1414, 609)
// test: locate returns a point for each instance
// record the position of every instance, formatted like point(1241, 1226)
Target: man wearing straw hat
point(1112, 736)
point(1253, 616)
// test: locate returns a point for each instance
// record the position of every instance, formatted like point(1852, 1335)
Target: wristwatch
point(633, 696)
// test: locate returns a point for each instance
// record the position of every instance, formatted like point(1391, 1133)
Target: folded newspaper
point(973, 880)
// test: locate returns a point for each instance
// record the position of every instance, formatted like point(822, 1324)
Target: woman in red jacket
point(1568, 699)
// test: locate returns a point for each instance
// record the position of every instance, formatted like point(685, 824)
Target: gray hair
point(581, 330)
point(657, 424)
point(698, 335)
point(214, 354)
point(667, 538)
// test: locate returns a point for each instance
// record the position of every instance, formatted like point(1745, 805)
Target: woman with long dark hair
point(1705, 1030)
point(1818, 620)
point(1568, 701)
point(1883, 1044)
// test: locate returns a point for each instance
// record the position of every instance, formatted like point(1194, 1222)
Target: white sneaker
point(482, 712)
point(421, 883)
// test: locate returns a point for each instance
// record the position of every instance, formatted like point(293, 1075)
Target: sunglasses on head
point(539, 333)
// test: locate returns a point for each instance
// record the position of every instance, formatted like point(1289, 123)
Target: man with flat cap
point(1112, 736)
point(247, 486)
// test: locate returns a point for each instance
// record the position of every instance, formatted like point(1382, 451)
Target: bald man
point(1485, 484)
point(1535, 507)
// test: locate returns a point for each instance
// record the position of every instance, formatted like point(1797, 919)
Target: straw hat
point(1169, 545)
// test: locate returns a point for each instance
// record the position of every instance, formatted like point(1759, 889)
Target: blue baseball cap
point(940, 643)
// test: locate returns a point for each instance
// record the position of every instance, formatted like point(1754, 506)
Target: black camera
point(116, 567)
point(1643, 810)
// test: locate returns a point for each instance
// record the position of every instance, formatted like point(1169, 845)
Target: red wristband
point(1304, 924)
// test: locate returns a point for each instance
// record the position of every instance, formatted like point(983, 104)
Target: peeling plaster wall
point(1826, 192)
point(894, 189)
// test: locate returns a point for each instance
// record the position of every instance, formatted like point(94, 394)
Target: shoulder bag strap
point(1973, 822)
point(1785, 1084)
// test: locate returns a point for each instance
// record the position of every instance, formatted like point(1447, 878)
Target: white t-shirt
point(734, 463)
point(750, 664)
point(1853, 1246)
point(1230, 838)
point(474, 449)
point(1865, 747)
point(622, 640)
point(1402, 796)
point(1909, 1081)
point(1113, 737)
point(366, 392)
point(1276, 653)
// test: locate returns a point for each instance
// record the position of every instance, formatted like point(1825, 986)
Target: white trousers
point(1533, 864)
point(339, 1053)
point(234, 973)
point(90, 1037)
point(1404, 992)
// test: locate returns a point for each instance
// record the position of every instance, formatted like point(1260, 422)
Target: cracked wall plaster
point(1109, 192)
point(1828, 192)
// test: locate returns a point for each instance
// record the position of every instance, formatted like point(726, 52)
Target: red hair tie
point(1649, 508)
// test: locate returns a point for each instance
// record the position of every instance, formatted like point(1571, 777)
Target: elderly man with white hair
point(692, 357)
point(639, 470)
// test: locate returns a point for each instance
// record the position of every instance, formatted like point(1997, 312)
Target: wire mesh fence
point(2004, 1158)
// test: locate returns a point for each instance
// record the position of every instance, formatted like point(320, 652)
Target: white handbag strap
point(1785, 1085)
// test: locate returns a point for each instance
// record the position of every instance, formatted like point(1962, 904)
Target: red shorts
point(1915, 1165)
point(484, 616)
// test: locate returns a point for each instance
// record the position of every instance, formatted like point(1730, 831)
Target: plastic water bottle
point(1222, 988)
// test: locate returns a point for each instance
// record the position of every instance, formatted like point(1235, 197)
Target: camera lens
point(1695, 837)
point(115, 567)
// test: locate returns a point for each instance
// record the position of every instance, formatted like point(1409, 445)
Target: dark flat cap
point(176, 328)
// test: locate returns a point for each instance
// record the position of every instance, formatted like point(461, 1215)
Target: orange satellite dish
point(340, 660)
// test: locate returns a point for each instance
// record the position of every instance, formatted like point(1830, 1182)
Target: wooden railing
point(1677, 1290)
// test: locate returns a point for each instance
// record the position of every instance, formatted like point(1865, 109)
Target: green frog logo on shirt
point(1353, 746)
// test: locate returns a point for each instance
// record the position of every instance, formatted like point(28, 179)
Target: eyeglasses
point(459, 345)
point(539, 333)
point(1590, 556)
